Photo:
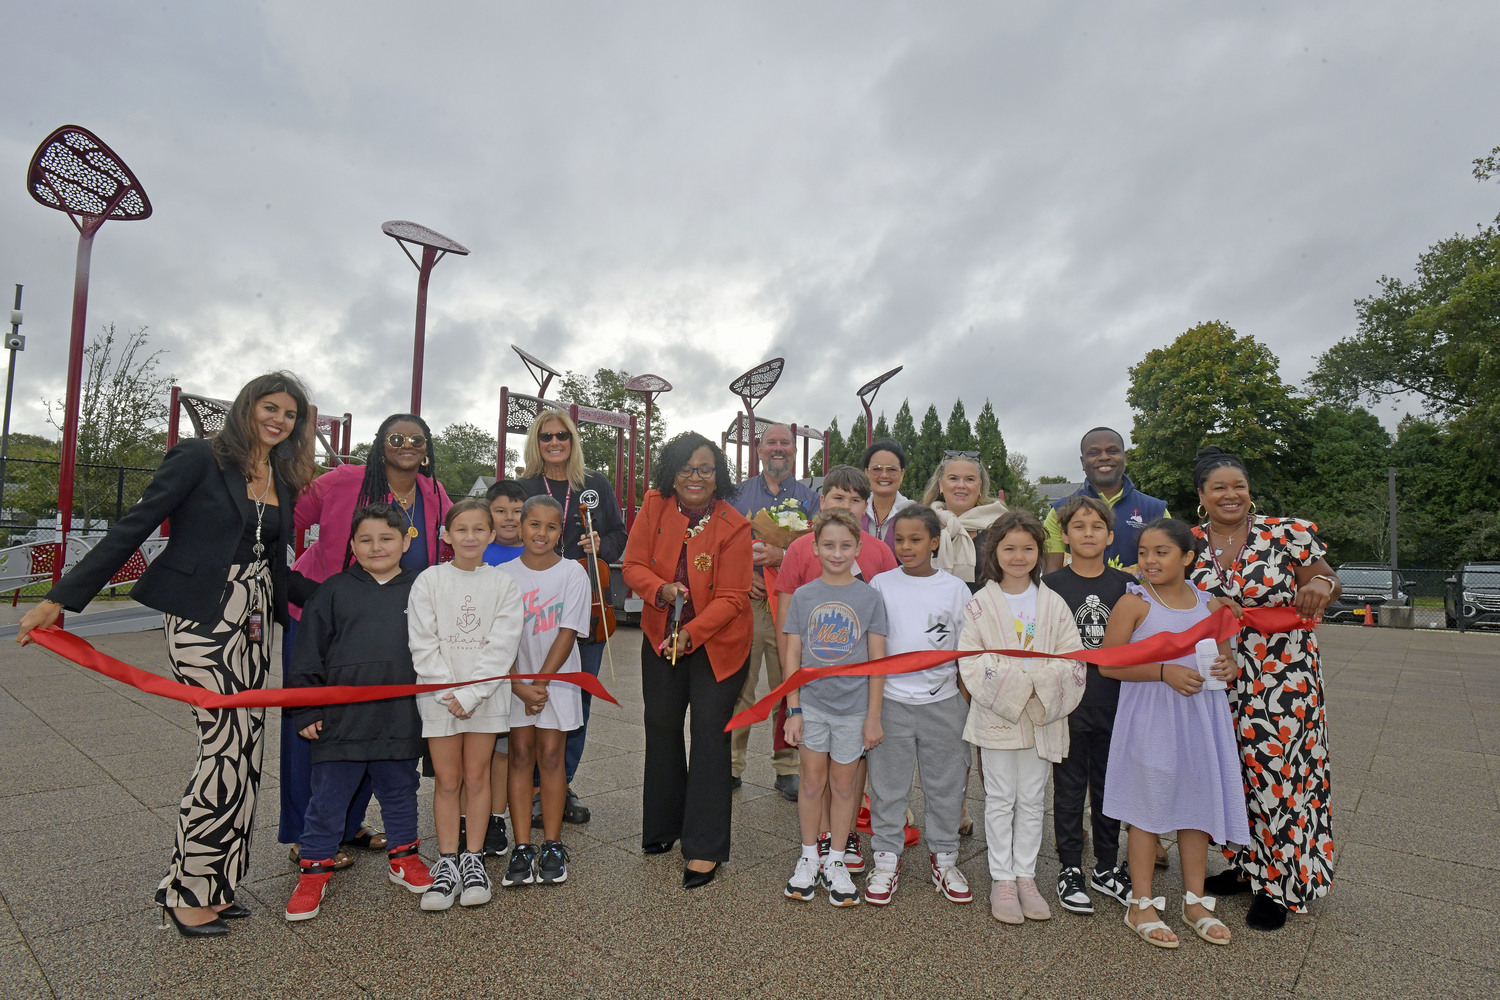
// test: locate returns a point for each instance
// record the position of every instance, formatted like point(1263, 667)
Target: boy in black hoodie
point(353, 631)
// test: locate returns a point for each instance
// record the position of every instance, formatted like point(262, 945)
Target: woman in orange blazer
point(688, 539)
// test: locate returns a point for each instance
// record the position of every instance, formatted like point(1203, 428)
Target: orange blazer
point(719, 571)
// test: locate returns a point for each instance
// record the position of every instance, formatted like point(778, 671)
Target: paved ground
point(90, 773)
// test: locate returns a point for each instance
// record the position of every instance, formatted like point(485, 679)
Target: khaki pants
point(762, 647)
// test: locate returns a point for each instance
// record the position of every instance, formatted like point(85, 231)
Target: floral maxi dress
point(1279, 715)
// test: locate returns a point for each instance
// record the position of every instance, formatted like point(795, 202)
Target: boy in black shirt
point(1091, 589)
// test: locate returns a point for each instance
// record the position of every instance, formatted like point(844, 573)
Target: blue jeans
point(592, 656)
point(334, 784)
point(296, 769)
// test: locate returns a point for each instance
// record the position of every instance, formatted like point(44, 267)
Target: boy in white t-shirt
point(923, 715)
point(556, 596)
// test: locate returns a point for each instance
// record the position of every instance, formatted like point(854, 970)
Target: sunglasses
point(554, 436)
point(972, 456)
point(405, 440)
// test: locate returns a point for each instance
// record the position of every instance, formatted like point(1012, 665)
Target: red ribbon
point(77, 649)
point(1154, 649)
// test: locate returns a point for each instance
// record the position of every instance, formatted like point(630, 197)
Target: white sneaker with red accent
point(951, 882)
point(854, 855)
point(881, 885)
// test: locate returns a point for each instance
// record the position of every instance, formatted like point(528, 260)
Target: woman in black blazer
point(220, 583)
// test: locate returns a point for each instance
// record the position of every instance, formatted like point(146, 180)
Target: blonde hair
point(934, 491)
point(533, 456)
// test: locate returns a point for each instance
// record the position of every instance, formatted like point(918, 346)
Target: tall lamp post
point(752, 387)
point(867, 394)
point(73, 172)
point(435, 246)
point(15, 342)
point(649, 386)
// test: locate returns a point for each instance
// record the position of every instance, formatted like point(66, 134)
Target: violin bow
point(587, 501)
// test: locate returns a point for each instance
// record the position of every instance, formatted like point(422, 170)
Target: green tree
point(904, 429)
point(854, 444)
point(1433, 337)
point(992, 452)
point(959, 435)
point(1213, 386)
point(464, 453)
point(1444, 497)
point(605, 390)
point(1345, 490)
point(882, 429)
point(1052, 480)
point(1022, 494)
point(835, 448)
point(925, 454)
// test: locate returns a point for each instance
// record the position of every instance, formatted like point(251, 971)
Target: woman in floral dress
point(1278, 701)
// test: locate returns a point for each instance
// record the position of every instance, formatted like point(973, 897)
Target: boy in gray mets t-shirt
point(833, 622)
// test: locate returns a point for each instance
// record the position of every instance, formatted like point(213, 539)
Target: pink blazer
point(329, 503)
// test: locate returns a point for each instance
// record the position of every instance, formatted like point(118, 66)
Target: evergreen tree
point(854, 445)
point(992, 450)
point(905, 428)
point(925, 454)
point(835, 448)
point(882, 429)
point(959, 436)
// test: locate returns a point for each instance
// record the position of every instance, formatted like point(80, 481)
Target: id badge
point(255, 626)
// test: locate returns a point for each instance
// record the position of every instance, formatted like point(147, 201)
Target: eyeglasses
point(878, 470)
point(696, 472)
point(554, 436)
point(403, 440)
point(972, 456)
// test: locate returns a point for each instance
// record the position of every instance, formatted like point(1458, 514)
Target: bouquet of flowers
point(782, 524)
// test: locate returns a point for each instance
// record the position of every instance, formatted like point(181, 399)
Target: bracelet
point(794, 711)
point(1162, 675)
point(1332, 582)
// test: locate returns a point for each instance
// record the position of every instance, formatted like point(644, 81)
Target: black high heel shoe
point(694, 880)
point(657, 847)
point(1229, 882)
point(214, 928)
point(234, 911)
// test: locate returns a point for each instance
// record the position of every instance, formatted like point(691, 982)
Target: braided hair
point(375, 488)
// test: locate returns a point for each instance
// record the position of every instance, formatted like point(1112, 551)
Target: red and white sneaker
point(408, 868)
point(951, 882)
point(881, 885)
point(311, 885)
point(854, 856)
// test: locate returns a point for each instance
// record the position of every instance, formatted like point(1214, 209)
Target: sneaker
point(1113, 882)
point(854, 857)
point(475, 879)
point(825, 844)
point(552, 863)
point(1033, 906)
point(881, 885)
point(444, 889)
point(522, 867)
point(841, 891)
point(804, 880)
point(407, 868)
point(951, 882)
point(788, 785)
point(495, 843)
point(1071, 892)
point(574, 811)
point(1005, 904)
point(308, 895)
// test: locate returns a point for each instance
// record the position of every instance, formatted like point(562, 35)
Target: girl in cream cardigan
point(1018, 708)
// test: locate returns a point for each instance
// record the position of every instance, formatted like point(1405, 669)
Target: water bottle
point(1206, 652)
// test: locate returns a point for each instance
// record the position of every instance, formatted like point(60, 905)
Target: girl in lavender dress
point(1173, 762)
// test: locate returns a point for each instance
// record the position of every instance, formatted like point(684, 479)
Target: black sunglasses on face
point(401, 440)
point(554, 435)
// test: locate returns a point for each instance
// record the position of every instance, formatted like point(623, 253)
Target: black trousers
point(687, 797)
point(1082, 771)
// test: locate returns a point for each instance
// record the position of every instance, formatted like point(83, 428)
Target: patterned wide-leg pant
point(218, 808)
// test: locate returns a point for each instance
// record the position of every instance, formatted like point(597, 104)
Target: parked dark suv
point(1473, 594)
point(1366, 583)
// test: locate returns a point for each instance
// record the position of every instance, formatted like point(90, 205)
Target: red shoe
point(408, 868)
point(310, 887)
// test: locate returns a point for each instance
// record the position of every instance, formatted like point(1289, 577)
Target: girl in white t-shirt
point(463, 622)
point(923, 713)
point(556, 595)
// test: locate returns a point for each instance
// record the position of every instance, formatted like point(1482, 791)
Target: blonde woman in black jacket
point(220, 583)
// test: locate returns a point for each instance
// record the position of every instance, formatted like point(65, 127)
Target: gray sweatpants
point(932, 736)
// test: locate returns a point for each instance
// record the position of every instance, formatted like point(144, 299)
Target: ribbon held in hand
point(1154, 649)
point(79, 651)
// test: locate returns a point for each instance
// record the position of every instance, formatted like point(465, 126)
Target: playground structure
point(435, 246)
point(206, 415)
point(867, 394)
point(741, 435)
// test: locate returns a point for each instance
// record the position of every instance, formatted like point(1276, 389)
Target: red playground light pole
point(435, 246)
point(867, 394)
point(649, 386)
point(752, 387)
point(73, 172)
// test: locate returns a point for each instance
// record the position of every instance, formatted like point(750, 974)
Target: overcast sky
point(1015, 201)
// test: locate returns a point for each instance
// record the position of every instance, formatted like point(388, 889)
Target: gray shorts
point(841, 737)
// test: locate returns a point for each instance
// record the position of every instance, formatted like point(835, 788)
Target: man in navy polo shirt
point(1102, 454)
point(774, 486)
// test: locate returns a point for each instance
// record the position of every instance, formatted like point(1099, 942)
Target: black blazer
point(210, 510)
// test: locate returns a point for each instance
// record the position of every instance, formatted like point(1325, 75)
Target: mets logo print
point(542, 615)
point(468, 616)
point(832, 631)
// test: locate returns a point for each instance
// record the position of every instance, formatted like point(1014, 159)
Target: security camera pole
point(15, 342)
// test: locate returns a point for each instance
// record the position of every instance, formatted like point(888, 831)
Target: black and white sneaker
point(476, 880)
point(552, 863)
point(806, 878)
point(444, 889)
point(1113, 882)
point(1071, 893)
point(522, 867)
point(496, 845)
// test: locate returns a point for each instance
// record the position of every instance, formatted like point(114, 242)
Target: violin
point(601, 612)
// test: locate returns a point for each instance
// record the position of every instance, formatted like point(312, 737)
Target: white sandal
point(1143, 931)
point(1202, 925)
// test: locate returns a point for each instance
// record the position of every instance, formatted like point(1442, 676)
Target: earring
point(1201, 512)
point(1252, 508)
